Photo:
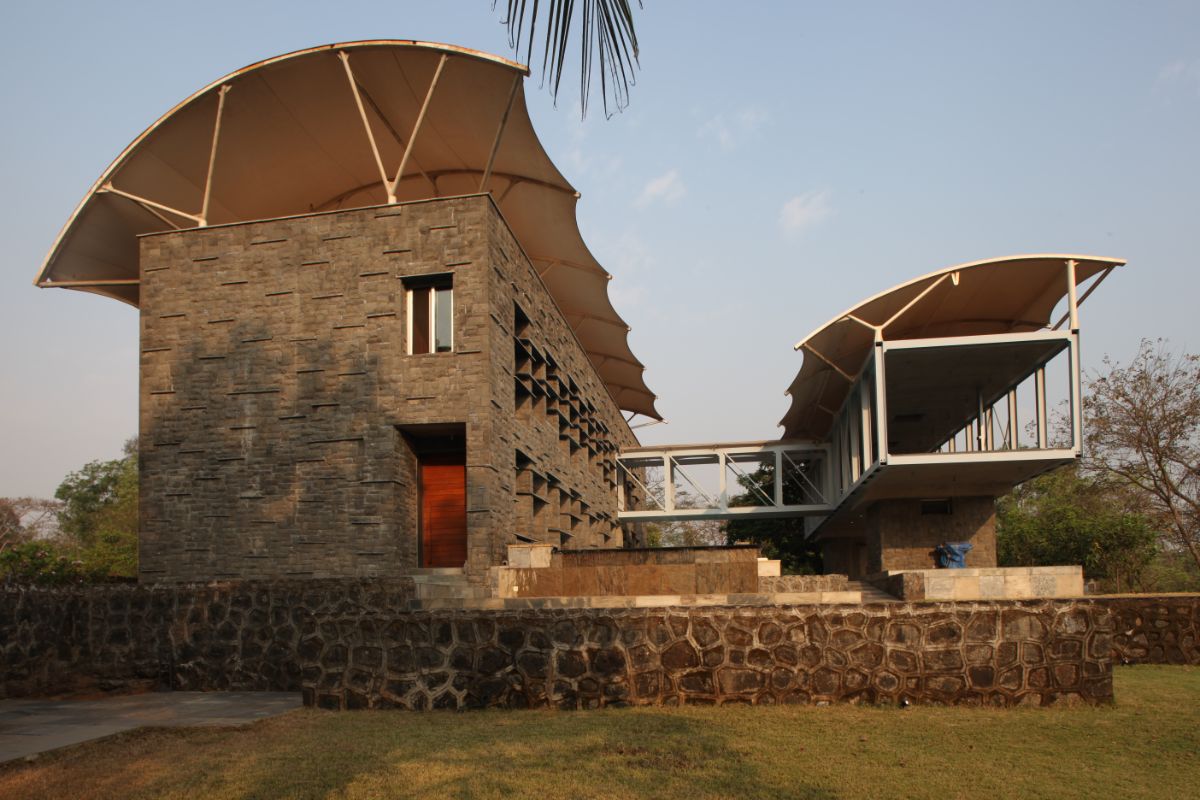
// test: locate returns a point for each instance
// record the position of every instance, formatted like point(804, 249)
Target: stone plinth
point(630, 572)
point(990, 583)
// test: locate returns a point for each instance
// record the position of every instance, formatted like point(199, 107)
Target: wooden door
point(443, 510)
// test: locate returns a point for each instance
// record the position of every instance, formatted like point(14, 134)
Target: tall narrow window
point(430, 314)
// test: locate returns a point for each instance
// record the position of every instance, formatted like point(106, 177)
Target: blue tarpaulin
point(953, 555)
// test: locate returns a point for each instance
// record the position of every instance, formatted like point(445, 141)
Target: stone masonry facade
point(349, 644)
point(276, 394)
point(901, 537)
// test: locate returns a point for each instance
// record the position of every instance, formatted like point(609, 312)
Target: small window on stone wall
point(940, 506)
point(429, 303)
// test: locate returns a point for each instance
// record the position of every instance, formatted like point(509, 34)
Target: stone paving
point(29, 727)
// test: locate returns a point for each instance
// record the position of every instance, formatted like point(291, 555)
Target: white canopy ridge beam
point(875, 330)
point(952, 275)
point(512, 95)
point(212, 154)
point(96, 282)
point(832, 365)
point(412, 138)
point(388, 186)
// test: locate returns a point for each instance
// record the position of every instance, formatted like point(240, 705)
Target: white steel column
point(855, 444)
point(1013, 441)
point(1076, 396)
point(1072, 302)
point(864, 407)
point(778, 493)
point(881, 412)
point(1039, 390)
point(1076, 379)
point(668, 482)
point(723, 479)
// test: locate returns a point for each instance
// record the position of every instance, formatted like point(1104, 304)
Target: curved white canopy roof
point(1001, 295)
point(345, 126)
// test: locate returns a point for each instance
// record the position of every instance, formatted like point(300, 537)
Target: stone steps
point(436, 572)
point(868, 593)
point(446, 584)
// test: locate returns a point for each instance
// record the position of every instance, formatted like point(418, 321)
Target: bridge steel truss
point(794, 481)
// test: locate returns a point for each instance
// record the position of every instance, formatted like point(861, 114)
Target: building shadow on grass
point(541, 754)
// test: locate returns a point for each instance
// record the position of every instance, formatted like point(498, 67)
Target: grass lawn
point(1148, 745)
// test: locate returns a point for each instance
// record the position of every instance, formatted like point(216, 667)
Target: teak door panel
point(443, 511)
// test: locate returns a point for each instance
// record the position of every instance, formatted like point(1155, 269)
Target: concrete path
point(28, 727)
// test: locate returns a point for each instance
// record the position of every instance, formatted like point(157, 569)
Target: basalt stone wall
point(1000, 654)
point(239, 636)
point(1155, 630)
point(350, 644)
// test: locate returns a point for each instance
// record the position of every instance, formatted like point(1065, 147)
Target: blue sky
point(778, 163)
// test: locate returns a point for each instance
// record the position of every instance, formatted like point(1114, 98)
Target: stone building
point(375, 344)
point(911, 413)
point(373, 341)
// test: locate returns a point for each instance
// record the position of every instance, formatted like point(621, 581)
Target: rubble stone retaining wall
point(979, 653)
point(230, 636)
point(352, 644)
point(1155, 629)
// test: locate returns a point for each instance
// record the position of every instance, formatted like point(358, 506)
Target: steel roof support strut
point(388, 187)
point(212, 155)
point(412, 137)
point(142, 201)
point(512, 95)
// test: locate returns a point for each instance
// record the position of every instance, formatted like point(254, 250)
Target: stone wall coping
point(974, 572)
point(778, 599)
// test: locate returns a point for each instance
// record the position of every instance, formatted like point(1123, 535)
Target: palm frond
point(606, 33)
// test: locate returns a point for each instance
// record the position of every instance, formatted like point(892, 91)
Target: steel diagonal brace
point(675, 467)
point(649, 494)
point(796, 469)
point(751, 484)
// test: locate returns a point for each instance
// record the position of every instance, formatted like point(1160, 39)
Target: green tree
point(1064, 517)
point(784, 539)
point(99, 517)
point(605, 32)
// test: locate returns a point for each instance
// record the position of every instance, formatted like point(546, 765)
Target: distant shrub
point(39, 562)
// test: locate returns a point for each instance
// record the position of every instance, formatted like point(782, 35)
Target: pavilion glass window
point(430, 308)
